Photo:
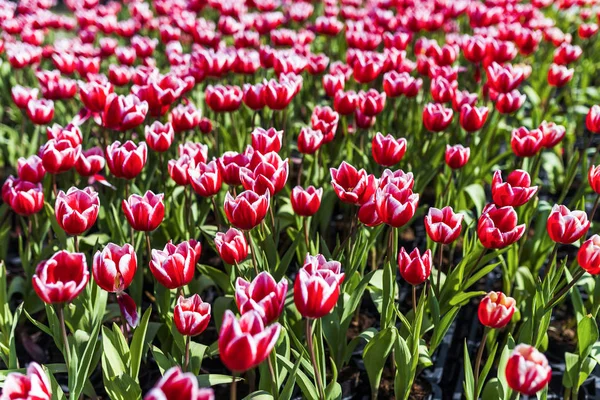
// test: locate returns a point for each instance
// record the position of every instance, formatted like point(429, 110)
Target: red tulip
point(223, 98)
point(594, 178)
point(396, 205)
point(559, 75)
point(174, 266)
point(526, 143)
point(436, 117)
point(254, 96)
point(565, 226)
point(586, 31)
point(414, 268)
point(457, 156)
point(230, 164)
point(197, 152)
point(41, 111)
point(345, 102)
point(159, 137)
point(31, 169)
point(398, 178)
point(504, 79)
point(34, 385)
point(266, 172)
point(401, 83)
point(443, 226)
point(472, 118)
point(588, 255)
point(474, 49)
point(61, 278)
point(326, 120)
point(59, 156)
point(306, 202)
point(144, 213)
point(527, 370)
point(178, 169)
point(232, 246)
point(464, 97)
point(191, 315)
point(114, 267)
point(515, 192)
point(205, 178)
point(247, 210)
point(552, 134)
point(508, 103)
point(122, 113)
point(387, 150)
point(94, 95)
point(309, 140)
point(185, 117)
point(70, 133)
point(566, 54)
point(77, 210)
point(90, 162)
point(263, 295)
point(25, 198)
point(497, 227)
point(352, 186)
point(22, 95)
point(126, 160)
point(317, 286)
point(266, 140)
point(496, 310)
point(371, 102)
point(367, 213)
point(178, 385)
point(333, 83)
point(366, 69)
point(592, 120)
point(442, 91)
point(119, 75)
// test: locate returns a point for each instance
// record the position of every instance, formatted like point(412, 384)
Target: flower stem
point(254, 262)
point(76, 240)
point(311, 349)
point(273, 375)
point(439, 275)
point(414, 300)
point(186, 362)
point(148, 246)
point(232, 392)
point(580, 272)
point(550, 260)
point(61, 318)
point(595, 208)
point(216, 210)
point(478, 361)
point(307, 233)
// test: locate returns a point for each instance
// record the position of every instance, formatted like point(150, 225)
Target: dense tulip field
point(280, 199)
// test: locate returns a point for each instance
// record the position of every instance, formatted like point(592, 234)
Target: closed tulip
point(515, 192)
point(230, 164)
point(61, 278)
point(497, 227)
point(508, 103)
point(588, 255)
point(306, 202)
point(159, 136)
point(41, 111)
point(59, 156)
point(594, 178)
point(114, 267)
point(197, 152)
point(396, 206)
point(325, 120)
point(21, 95)
point(77, 210)
point(231, 246)
point(266, 140)
point(371, 102)
point(457, 156)
point(185, 117)
point(309, 140)
point(144, 213)
point(178, 169)
point(317, 286)
point(552, 134)
point(527, 370)
point(90, 162)
point(265, 173)
point(436, 117)
point(345, 102)
point(387, 150)
point(31, 169)
point(175, 385)
point(565, 226)
point(25, 198)
point(472, 118)
point(559, 75)
point(205, 178)
point(592, 120)
point(414, 267)
point(247, 210)
point(191, 315)
point(126, 160)
point(496, 310)
point(173, 267)
point(122, 113)
point(94, 94)
point(263, 295)
point(526, 143)
point(221, 98)
point(443, 226)
point(245, 343)
point(33, 385)
point(352, 186)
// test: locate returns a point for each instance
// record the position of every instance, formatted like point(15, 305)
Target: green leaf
point(463, 298)
point(307, 387)
point(587, 335)
point(137, 345)
point(288, 389)
point(208, 380)
point(571, 370)
point(477, 195)
point(163, 361)
point(402, 380)
point(13, 361)
point(260, 395)
point(469, 382)
point(375, 355)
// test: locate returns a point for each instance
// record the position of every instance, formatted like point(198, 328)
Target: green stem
point(186, 363)
point(252, 251)
point(61, 317)
point(580, 272)
point(478, 362)
point(311, 350)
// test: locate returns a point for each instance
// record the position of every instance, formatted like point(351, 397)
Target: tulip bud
point(159, 137)
point(266, 141)
point(114, 267)
point(221, 98)
point(436, 117)
point(526, 143)
point(77, 210)
point(515, 192)
point(245, 343)
point(588, 255)
point(387, 150)
point(178, 169)
point(497, 227)
point(178, 385)
point(527, 370)
point(326, 120)
point(25, 198)
point(508, 103)
point(31, 169)
point(559, 75)
point(144, 213)
point(263, 295)
point(191, 315)
point(414, 268)
point(457, 156)
point(232, 246)
point(443, 226)
point(592, 120)
point(22, 95)
point(306, 202)
point(247, 210)
point(205, 178)
point(309, 140)
point(496, 309)
point(174, 266)
point(41, 111)
point(472, 118)
point(126, 160)
point(565, 226)
point(59, 156)
point(317, 286)
point(352, 186)
point(34, 385)
point(345, 102)
point(61, 278)
point(90, 162)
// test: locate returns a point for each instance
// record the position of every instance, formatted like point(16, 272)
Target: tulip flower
point(371, 102)
point(594, 178)
point(527, 370)
point(174, 266)
point(144, 213)
point(559, 75)
point(77, 210)
point(94, 95)
point(31, 169)
point(22, 95)
point(565, 226)
point(221, 98)
point(317, 286)
point(159, 137)
point(70, 133)
point(396, 84)
point(198, 152)
point(345, 102)
point(247, 210)
point(367, 213)
point(178, 169)
point(122, 113)
point(254, 96)
point(230, 164)
point(245, 343)
point(25, 198)
point(191, 315)
point(526, 143)
point(436, 117)
point(126, 160)
point(552, 134)
point(414, 268)
point(325, 120)
point(592, 120)
point(442, 91)
point(184, 117)
point(263, 295)
point(387, 150)
point(231, 246)
point(266, 140)
point(59, 156)
point(90, 162)
point(41, 111)
point(352, 186)
point(464, 97)
point(61, 278)
point(33, 385)
point(333, 83)
point(205, 178)
point(497, 227)
point(309, 140)
point(457, 156)
point(114, 267)
point(515, 192)
point(178, 385)
point(265, 173)
point(443, 226)
point(472, 118)
point(504, 79)
point(588, 255)
point(396, 206)
point(508, 103)
point(306, 202)
point(496, 310)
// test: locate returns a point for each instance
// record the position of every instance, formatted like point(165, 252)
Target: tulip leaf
point(571, 370)
point(138, 345)
point(587, 335)
point(13, 361)
point(402, 359)
point(477, 195)
point(375, 355)
point(463, 298)
point(307, 387)
point(260, 395)
point(208, 380)
point(493, 390)
point(469, 382)
point(288, 389)
point(163, 361)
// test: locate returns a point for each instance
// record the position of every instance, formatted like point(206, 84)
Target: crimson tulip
point(126, 160)
point(325, 120)
point(159, 136)
point(144, 213)
point(387, 150)
point(508, 103)
point(371, 102)
point(345, 102)
point(174, 266)
point(525, 142)
point(443, 226)
point(41, 111)
point(70, 133)
point(395, 205)
point(22, 95)
point(31, 169)
point(266, 140)
point(114, 267)
point(592, 119)
point(197, 152)
point(59, 155)
point(90, 162)
point(263, 295)
point(33, 385)
point(178, 385)
point(472, 118)
point(230, 164)
point(588, 255)
point(309, 140)
point(61, 278)
point(497, 227)
point(254, 96)
point(205, 178)
point(247, 210)
point(496, 310)
point(94, 95)
point(179, 169)
point(552, 134)
point(559, 75)
point(25, 198)
point(223, 98)
point(414, 268)
point(527, 370)
point(457, 156)
point(184, 117)
point(565, 226)
point(352, 186)
point(317, 286)
point(436, 117)
point(594, 178)
point(122, 113)
point(231, 246)
point(306, 202)
point(515, 192)
point(77, 210)
point(191, 315)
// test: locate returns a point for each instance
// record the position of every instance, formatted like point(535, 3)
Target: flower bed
point(278, 199)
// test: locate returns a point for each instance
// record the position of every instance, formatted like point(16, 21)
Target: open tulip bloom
point(284, 199)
